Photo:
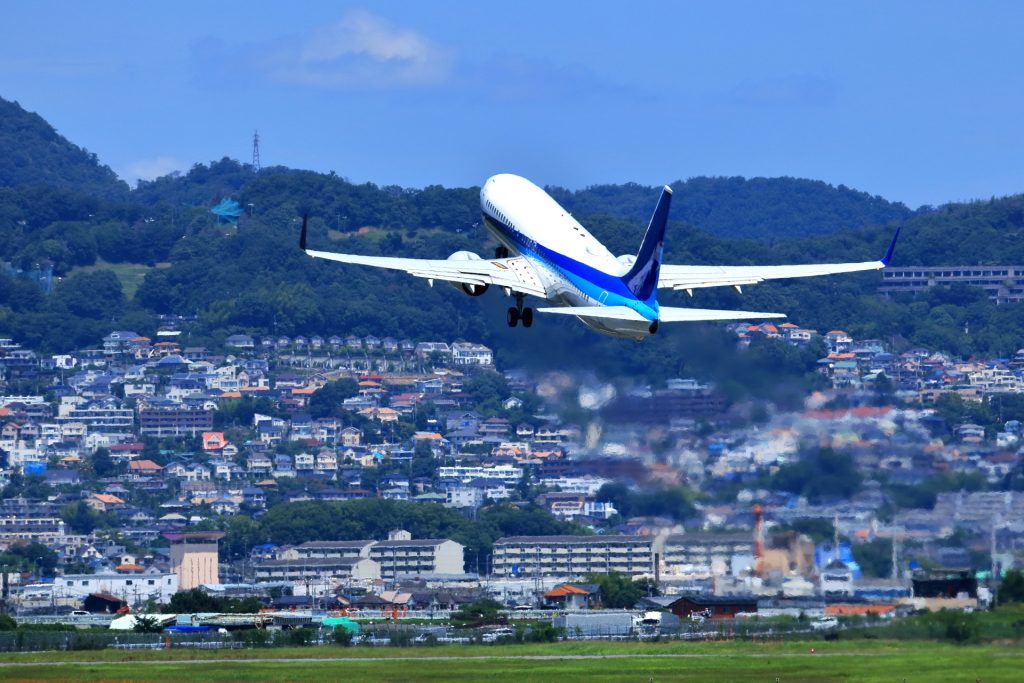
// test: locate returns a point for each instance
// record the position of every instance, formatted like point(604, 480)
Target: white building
point(464, 353)
point(836, 580)
point(136, 589)
point(508, 474)
point(463, 497)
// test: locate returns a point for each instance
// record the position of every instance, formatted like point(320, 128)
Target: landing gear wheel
point(513, 318)
point(501, 252)
point(527, 317)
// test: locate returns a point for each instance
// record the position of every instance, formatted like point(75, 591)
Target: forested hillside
point(32, 153)
point(158, 249)
point(744, 208)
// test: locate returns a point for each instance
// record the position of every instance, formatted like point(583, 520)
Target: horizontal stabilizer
point(611, 312)
point(684, 315)
point(666, 314)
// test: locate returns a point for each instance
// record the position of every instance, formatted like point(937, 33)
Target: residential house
point(464, 353)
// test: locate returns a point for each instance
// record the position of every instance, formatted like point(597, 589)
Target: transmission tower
point(256, 151)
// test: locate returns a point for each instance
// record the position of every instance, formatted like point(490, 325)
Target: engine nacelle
point(466, 288)
point(464, 256)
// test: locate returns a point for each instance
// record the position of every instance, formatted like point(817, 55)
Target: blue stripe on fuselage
point(592, 282)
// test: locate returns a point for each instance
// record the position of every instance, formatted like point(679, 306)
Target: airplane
point(545, 253)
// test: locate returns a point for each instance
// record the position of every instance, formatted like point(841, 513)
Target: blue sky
point(920, 102)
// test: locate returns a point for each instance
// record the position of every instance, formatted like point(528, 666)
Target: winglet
point(892, 248)
point(302, 235)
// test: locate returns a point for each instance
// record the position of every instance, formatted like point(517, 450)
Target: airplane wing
point(696, 277)
point(514, 273)
point(666, 314)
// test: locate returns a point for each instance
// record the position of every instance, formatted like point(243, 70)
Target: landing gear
point(501, 252)
point(518, 313)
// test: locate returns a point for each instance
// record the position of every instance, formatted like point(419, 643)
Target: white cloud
point(150, 169)
point(363, 50)
point(359, 50)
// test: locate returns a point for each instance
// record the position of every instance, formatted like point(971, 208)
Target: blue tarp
point(228, 211)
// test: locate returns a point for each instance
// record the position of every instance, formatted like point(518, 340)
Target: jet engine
point(465, 287)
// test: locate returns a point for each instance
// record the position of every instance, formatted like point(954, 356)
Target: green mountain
point(33, 153)
point(744, 208)
point(124, 259)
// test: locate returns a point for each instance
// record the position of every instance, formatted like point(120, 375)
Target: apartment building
point(176, 420)
point(327, 549)
point(318, 569)
point(398, 557)
point(713, 552)
point(31, 521)
point(572, 555)
point(1003, 284)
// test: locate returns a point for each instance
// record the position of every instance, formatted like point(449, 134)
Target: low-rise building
point(133, 588)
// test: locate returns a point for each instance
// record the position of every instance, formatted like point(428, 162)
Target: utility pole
point(897, 539)
point(993, 580)
point(835, 535)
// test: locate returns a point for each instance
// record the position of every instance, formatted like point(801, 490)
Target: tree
point(815, 528)
point(669, 501)
point(1011, 588)
point(146, 624)
point(326, 400)
point(874, 557)
point(241, 534)
point(617, 591)
point(480, 613)
point(33, 556)
point(80, 517)
point(195, 600)
point(824, 473)
point(102, 463)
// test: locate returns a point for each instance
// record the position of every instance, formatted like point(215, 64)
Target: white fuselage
point(575, 269)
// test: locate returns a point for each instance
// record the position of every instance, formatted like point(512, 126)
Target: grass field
point(646, 662)
point(131, 275)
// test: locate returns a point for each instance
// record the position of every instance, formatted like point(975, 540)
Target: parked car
point(495, 636)
point(825, 623)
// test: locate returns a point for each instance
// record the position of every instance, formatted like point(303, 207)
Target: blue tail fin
point(642, 278)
